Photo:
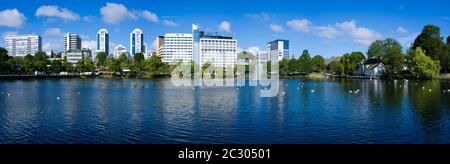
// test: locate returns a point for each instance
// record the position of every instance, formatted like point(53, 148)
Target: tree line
point(138, 67)
point(426, 58)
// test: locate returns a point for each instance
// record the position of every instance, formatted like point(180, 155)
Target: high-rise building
point(22, 45)
point(279, 48)
point(176, 47)
point(72, 42)
point(103, 41)
point(136, 42)
point(219, 51)
point(119, 49)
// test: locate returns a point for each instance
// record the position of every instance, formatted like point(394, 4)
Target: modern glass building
point(278, 48)
point(136, 42)
point(22, 45)
point(103, 41)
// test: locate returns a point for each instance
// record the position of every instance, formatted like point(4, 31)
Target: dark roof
point(372, 61)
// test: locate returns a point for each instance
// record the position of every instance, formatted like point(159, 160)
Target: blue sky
point(328, 28)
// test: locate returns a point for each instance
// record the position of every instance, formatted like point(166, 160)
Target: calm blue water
point(152, 111)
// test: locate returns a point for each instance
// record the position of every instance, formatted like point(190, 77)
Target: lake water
point(152, 111)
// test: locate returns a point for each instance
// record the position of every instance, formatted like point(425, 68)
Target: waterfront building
point(119, 49)
point(103, 41)
point(136, 42)
point(371, 67)
point(200, 47)
point(22, 45)
point(72, 42)
point(279, 48)
point(176, 47)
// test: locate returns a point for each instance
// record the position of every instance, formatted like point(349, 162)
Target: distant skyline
point(323, 27)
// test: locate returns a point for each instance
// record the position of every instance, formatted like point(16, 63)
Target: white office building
point(119, 49)
point(72, 42)
point(103, 41)
point(219, 51)
point(176, 47)
point(22, 45)
point(199, 47)
point(73, 56)
point(279, 48)
point(136, 42)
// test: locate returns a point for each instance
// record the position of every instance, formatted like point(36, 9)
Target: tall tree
point(350, 62)
point(101, 58)
point(445, 57)
point(394, 60)
point(380, 48)
point(423, 66)
point(305, 62)
point(376, 49)
point(336, 67)
point(318, 63)
point(430, 41)
point(3, 60)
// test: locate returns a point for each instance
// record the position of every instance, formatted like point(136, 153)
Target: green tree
point(56, 66)
point(3, 61)
point(335, 67)
point(28, 64)
point(394, 59)
point(430, 41)
point(305, 62)
point(138, 62)
point(376, 49)
point(318, 63)
point(40, 61)
point(101, 58)
point(114, 65)
point(293, 65)
point(423, 66)
point(445, 57)
point(380, 48)
point(351, 61)
point(283, 66)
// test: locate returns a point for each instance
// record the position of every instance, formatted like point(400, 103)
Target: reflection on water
point(154, 111)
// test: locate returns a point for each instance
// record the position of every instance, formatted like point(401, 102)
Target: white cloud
point(53, 32)
point(302, 25)
point(147, 15)
point(91, 44)
point(114, 13)
point(261, 16)
point(401, 30)
point(169, 23)
point(225, 26)
point(276, 28)
point(11, 18)
point(88, 18)
point(51, 47)
point(254, 50)
point(359, 35)
point(55, 11)
point(328, 32)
